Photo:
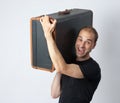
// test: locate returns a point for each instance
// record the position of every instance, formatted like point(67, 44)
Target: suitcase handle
point(64, 12)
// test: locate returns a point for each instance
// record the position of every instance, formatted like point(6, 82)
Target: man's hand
point(48, 25)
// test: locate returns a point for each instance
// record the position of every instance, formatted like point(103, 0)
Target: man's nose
point(82, 44)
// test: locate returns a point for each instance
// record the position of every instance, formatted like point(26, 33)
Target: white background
point(19, 83)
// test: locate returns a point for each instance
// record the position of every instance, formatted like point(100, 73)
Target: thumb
point(53, 25)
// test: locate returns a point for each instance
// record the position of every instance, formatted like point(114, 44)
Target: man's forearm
point(56, 57)
point(48, 25)
point(55, 87)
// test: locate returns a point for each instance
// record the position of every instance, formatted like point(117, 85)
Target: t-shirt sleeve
point(91, 70)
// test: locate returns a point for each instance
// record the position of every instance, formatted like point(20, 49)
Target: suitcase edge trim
point(31, 51)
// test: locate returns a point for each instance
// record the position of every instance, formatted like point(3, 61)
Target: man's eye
point(80, 39)
point(88, 42)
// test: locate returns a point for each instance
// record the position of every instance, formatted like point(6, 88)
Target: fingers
point(47, 19)
point(44, 19)
point(48, 23)
point(54, 23)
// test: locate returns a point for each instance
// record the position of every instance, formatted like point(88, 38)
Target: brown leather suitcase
point(69, 22)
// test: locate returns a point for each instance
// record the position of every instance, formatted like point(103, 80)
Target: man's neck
point(82, 58)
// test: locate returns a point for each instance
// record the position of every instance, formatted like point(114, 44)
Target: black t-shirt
point(81, 90)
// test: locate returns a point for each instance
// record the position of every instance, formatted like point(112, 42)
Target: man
point(76, 82)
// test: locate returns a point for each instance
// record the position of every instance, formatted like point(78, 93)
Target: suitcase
point(69, 22)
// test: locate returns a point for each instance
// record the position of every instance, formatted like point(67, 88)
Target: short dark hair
point(91, 30)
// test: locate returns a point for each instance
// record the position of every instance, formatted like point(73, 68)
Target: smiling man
point(75, 82)
point(85, 42)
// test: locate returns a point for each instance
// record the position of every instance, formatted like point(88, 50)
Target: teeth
point(80, 49)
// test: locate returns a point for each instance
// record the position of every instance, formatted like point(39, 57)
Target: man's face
point(84, 44)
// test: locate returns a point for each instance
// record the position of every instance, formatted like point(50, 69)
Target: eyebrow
point(87, 39)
